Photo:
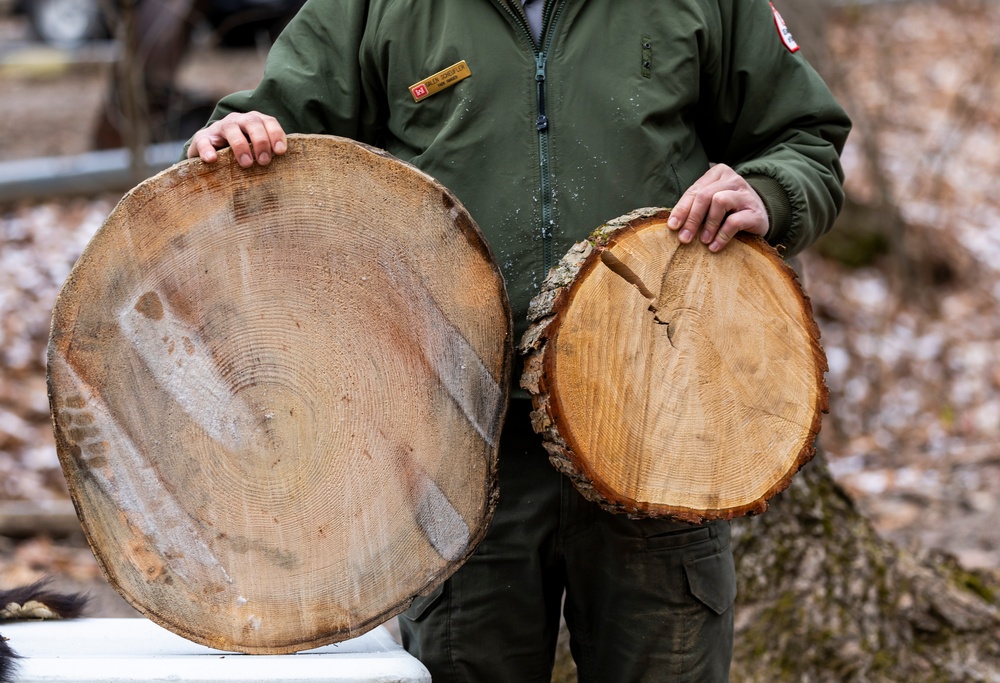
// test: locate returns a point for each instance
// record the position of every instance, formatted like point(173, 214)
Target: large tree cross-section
point(278, 394)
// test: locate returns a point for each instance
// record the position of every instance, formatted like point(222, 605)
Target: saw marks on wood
point(676, 381)
point(277, 394)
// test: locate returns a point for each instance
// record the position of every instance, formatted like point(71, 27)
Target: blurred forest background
point(905, 290)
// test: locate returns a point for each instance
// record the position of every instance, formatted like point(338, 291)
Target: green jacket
point(624, 104)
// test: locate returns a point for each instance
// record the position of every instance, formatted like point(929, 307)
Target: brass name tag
point(439, 81)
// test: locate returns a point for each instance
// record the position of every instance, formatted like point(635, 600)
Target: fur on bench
point(34, 601)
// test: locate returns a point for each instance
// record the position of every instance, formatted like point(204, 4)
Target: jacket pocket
point(712, 580)
point(423, 604)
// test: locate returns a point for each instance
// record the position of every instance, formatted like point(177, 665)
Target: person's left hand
point(719, 205)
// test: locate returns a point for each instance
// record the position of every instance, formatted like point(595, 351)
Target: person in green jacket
point(547, 119)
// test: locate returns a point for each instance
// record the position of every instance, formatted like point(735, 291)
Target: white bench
point(118, 650)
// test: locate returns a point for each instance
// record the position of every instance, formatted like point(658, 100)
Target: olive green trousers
point(645, 600)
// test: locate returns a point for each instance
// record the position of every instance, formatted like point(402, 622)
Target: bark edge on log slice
point(277, 393)
point(573, 416)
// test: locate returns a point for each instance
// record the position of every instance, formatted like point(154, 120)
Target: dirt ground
point(914, 427)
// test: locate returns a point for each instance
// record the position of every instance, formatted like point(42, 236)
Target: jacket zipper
point(549, 19)
point(542, 125)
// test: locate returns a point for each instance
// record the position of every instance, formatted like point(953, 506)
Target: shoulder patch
point(783, 32)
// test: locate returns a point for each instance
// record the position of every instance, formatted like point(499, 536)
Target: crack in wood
point(659, 321)
point(619, 268)
point(623, 271)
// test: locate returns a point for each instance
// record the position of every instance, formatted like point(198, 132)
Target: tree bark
point(824, 598)
point(277, 394)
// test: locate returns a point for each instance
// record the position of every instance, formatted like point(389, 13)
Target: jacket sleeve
point(768, 114)
point(313, 82)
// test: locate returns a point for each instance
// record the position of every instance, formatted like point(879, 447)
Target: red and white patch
point(786, 35)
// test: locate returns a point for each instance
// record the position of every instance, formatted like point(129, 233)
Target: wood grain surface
point(670, 381)
point(277, 394)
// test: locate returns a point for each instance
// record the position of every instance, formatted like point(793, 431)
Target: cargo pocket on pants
point(712, 580)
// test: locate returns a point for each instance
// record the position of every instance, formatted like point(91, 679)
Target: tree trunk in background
point(824, 598)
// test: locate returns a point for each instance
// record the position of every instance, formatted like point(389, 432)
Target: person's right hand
point(250, 135)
